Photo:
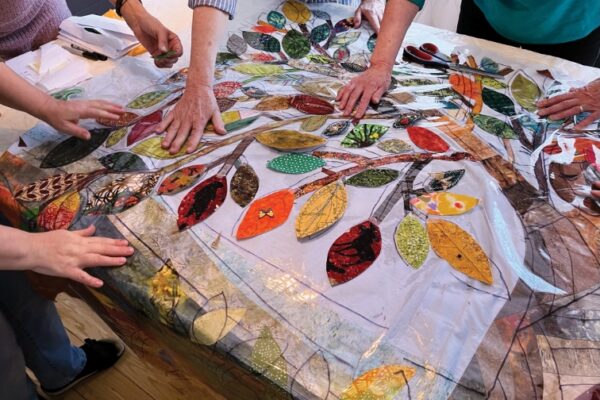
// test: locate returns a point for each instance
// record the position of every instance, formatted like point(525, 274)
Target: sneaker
point(101, 355)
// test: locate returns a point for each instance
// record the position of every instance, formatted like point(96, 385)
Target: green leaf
point(320, 33)
point(373, 178)
point(152, 148)
point(259, 69)
point(372, 42)
point(276, 19)
point(525, 91)
point(68, 94)
point(395, 146)
point(149, 99)
point(116, 137)
point(412, 241)
point(240, 123)
point(416, 82)
point(123, 162)
point(345, 39)
point(498, 102)
point(495, 126)
point(74, 149)
point(364, 135)
point(313, 123)
point(295, 163)
point(224, 58)
point(493, 83)
point(443, 181)
point(318, 59)
point(295, 44)
point(489, 65)
point(267, 359)
point(262, 41)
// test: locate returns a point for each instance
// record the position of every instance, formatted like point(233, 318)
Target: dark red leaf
point(202, 201)
point(353, 252)
point(225, 89)
point(144, 128)
point(427, 140)
point(225, 104)
point(311, 105)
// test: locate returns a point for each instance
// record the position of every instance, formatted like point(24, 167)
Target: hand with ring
point(576, 101)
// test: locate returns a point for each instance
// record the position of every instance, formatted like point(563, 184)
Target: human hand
point(66, 254)
point(196, 107)
point(372, 10)
point(572, 103)
point(368, 86)
point(65, 115)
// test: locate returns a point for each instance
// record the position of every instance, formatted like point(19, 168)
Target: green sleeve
point(419, 3)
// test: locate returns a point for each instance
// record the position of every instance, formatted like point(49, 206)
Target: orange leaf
point(468, 88)
point(266, 214)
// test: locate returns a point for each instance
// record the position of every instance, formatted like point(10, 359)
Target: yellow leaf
point(313, 123)
point(324, 208)
point(460, 250)
point(289, 140)
point(381, 383)
point(215, 325)
point(165, 293)
point(116, 137)
point(258, 69)
point(296, 12)
point(267, 359)
point(321, 87)
point(412, 242)
point(273, 103)
point(152, 148)
point(444, 203)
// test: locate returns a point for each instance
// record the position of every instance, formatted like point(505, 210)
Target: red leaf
point(225, 104)
point(353, 252)
point(427, 140)
point(181, 179)
point(266, 214)
point(202, 201)
point(144, 128)
point(311, 105)
point(262, 57)
point(225, 89)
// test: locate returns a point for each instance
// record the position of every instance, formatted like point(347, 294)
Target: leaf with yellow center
point(381, 383)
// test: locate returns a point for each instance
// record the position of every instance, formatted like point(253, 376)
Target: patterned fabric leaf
point(320, 33)
point(321, 87)
point(289, 140)
point(262, 42)
point(498, 102)
point(74, 149)
point(311, 105)
point(60, 213)
point(460, 250)
point(427, 140)
point(52, 187)
point(442, 181)
point(267, 358)
point(364, 135)
point(344, 25)
point(381, 383)
point(259, 69)
point(342, 54)
point(373, 178)
point(273, 103)
point(313, 123)
point(489, 65)
point(468, 88)
point(145, 127)
point(123, 162)
point(295, 44)
point(323, 209)
point(525, 91)
point(213, 326)
point(149, 99)
point(121, 194)
point(164, 290)
point(276, 19)
point(416, 82)
point(225, 89)
point(202, 201)
point(124, 120)
point(264, 27)
point(321, 15)
point(345, 39)
point(408, 119)
point(354, 68)
point(403, 97)
point(244, 185)
point(152, 148)
point(337, 128)
point(225, 104)
point(493, 83)
point(237, 45)
point(372, 42)
point(240, 124)
point(262, 57)
point(225, 58)
point(444, 203)
point(353, 252)
point(295, 163)
point(395, 146)
point(495, 126)
point(412, 241)
point(296, 11)
point(181, 179)
point(266, 214)
point(116, 137)
point(254, 92)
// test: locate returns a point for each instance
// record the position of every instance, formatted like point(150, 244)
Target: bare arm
point(373, 83)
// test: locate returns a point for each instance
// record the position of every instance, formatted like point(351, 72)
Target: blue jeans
point(32, 335)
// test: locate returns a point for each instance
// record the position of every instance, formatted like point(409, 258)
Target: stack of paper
point(107, 36)
point(50, 68)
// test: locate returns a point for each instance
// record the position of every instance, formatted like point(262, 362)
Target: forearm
point(208, 26)
point(14, 249)
point(398, 16)
point(17, 93)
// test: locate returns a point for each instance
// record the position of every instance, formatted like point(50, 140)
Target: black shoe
point(101, 355)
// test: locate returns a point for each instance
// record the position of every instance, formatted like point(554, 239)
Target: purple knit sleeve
point(227, 6)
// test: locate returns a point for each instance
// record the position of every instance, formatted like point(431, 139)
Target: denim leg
point(39, 332)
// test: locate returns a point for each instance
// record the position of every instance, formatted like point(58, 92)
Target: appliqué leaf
point(267, 358)
point(313, 123)
point(337, 128)
point(468, 88)
point(354, 68)
point(353, 252)
point(181, 179)
point(489, 65)
point(372, 42)
point(342, 54)
point(225, 104)
point(276, 19)
point(266, 214)
point(427, 140)
point(262, 41)
point(289, 140)
point(498, 102)
point(493, 83)
point(495, 126)
point(240, 124)
point(525, 91)
point(311, 105)
point(121, 194)
point(244, 185)
point(74, 149)
point(202, 201)
point(295, 44)
point(394, 146)
point(296, 11)
point(237, 45)
point(254, 92)
point(258, 69)
point(116, 137)
point(123, 162)
point(225, 89)
point(124, 120)
point(364, 135)
point(213, 326)
point(344, 25)
point(60, 213)
point(444, 203)
point(273, 103)
point(412, 241)
point(320, 33)
point(149, 99)
point(144, 128)
point(52, 187)
point(323, 209)
point(345, 39)
point(373, 178)
point(152, 148)
point(381, 383)
point(460, 250)
point(313, 377)
point(403, 97)
point(322, 87)
point(294, 163)
point(442, 181)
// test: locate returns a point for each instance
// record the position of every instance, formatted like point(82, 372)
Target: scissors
point(430, 56)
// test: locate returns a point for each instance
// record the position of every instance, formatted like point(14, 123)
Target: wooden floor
point(131, 378)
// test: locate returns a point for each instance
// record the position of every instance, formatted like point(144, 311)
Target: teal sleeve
point(419, 3)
